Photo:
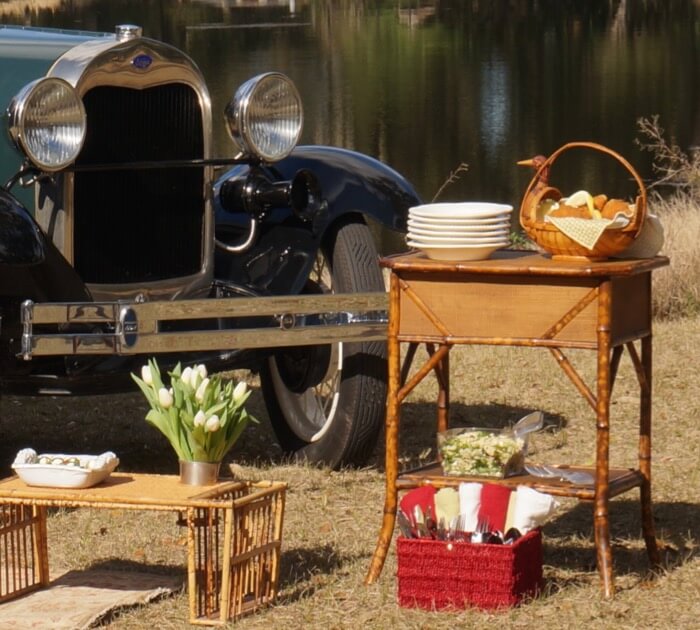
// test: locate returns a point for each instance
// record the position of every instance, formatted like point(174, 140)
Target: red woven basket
point(434, 574)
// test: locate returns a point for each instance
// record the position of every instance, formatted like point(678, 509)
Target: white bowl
point(485, 226)
point(422, 241)
point(462, 210)
point(456, 253)
point(457, 233)
point(438, 221)
point(93, 469)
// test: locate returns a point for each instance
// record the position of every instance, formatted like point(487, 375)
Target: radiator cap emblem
point(141, 62)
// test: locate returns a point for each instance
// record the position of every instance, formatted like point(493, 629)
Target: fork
point(483, 527)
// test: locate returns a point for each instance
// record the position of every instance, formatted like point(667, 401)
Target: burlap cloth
point(80, 599)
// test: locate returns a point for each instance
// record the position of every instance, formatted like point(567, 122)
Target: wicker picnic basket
point(551, 239)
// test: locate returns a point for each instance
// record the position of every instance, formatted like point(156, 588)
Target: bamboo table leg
point(391, 437)
point(41, 545)
point(191, 564)
point(645, 454)
point(442, 371)
point(601, 516)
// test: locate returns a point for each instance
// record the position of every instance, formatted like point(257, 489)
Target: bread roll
point(569, 211)
point(599, 201)
point(613, 206)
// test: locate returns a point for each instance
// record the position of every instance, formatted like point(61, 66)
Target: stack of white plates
point(459, 231)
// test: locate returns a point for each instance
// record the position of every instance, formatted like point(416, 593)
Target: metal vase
point(199, 473)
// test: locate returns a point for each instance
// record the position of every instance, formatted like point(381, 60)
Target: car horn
point(257, 194)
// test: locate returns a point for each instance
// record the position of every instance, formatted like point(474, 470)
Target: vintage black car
point(122, 237)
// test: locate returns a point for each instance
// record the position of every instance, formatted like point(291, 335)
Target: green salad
point(480, 453)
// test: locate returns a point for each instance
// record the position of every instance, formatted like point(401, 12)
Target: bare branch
point(453, 177)
point(670, 163)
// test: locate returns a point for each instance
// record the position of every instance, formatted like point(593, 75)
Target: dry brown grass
point(677, 287)
point(332, 518)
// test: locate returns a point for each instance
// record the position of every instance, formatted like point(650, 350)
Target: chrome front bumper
point(127, 328)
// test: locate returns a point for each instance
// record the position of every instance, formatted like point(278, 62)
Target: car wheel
point(326, 403)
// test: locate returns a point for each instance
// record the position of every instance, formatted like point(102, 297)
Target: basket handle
point(641, 202)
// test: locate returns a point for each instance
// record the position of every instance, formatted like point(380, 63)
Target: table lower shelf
point(620, 480)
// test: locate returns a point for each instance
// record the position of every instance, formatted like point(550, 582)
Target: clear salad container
point(467, 451)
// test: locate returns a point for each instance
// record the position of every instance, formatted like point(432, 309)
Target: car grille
point(139, 225)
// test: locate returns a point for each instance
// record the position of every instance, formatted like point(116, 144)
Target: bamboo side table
point(234, 532)
point(524, 299)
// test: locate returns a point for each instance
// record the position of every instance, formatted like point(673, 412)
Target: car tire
point(326, 403)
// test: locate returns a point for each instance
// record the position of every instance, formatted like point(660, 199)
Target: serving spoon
point(527, 424)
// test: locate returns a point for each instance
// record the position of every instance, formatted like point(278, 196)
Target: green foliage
point(519, 240)
point(201, 417)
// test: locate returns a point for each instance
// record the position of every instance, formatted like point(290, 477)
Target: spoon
point(527, 424)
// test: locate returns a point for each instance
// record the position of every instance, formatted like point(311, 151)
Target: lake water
point(427, 85)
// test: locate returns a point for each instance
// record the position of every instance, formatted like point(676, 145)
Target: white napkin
point(446, 504)
point(510, 514)
point(648, 243)
point(469, 504)
point(531, 509)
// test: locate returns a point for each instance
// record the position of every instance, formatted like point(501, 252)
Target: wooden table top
point(124, 490)
point(512, 262)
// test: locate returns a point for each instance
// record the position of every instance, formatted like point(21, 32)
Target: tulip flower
point(202, 369)
point(201, 390)
point(165, 398)
point(200, 418)
point(186, 376)
point(146, 375)
point(212, 424)
point(239, 391)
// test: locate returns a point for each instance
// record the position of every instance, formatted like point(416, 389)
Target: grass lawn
point(332, 518)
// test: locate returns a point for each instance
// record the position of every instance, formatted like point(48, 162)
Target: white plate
point(461, 210)
point(427, 241)
point(65, 475)
point(456, 254)
point(481, 225)
point(457, 233)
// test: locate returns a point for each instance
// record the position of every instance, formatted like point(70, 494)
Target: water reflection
point(494, 106)
point(425, 85)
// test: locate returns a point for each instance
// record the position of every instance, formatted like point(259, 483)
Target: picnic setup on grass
point(468, 528)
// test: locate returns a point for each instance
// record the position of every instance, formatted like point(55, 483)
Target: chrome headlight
point(47, 123)
point(265, 116)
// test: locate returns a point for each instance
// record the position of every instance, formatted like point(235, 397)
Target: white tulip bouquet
point(200, 415)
